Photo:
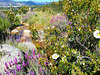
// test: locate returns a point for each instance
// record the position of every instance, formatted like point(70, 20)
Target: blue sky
point(38, 0)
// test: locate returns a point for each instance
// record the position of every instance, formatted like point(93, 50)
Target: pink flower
point(32, 72)
point(18, 68)
point(24, 64)
point(6, 65)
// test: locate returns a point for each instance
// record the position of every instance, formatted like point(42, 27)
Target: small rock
point(8, 53)
point(28, 45)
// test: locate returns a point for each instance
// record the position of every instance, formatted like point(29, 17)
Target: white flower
point(47, 27)
point(70, 39)
point(69, 1)
point(66, 35)
point(50, 63)
point(53, 26)
point(79, 29)
point(96, 34)
point(75, 52)
point(72, 9)
point(55, 56)
point(83, 63)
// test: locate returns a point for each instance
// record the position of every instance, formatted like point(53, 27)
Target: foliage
point(11, 16)
point(24, 9)
point(4, 24)
point(70, 60)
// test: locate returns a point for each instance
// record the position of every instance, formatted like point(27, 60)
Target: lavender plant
point(60, 22)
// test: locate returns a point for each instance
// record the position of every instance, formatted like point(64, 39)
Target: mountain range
point(18, 3)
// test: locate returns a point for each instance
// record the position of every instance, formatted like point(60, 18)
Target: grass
point(41, 19)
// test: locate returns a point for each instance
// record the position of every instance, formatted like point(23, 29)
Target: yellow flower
point(62, 46)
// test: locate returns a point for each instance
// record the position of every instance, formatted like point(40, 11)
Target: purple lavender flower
point(10, 37)
point(83, 26)
point(18, 68)
point(18, 54)
point(71, 27)
point(10, 63)
point(28, 73)
point(82, 52)
point(27, 62)
point(15, 72)
point(70, 22)
point(26, 56)
point(29, 57)
point(15, 60)
point(33, 58)
point(24, 64)
point(20, 59)
point(32, 72)
point(33, 52)
point(5, 69)
point(64, 14)
point(45, 63)
point(6, 65)
point(36, 56)
point(7, 73)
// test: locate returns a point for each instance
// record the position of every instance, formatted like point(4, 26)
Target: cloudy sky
point(38, 0)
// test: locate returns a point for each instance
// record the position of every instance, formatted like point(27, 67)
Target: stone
point(27, 45)
point(7, 53)
point(14, 31)
point(41, 35)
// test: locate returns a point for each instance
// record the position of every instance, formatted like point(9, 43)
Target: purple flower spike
point(15, 72)
point(10, 37)
point(70, 23)
point(6, 65)
point(0, 73)
point(26, 56)
point(15, 60)
point(10, 63)
point(29, 57)
point(24, 64)
point(27, 62)
point(36, 57)
point(83, 26)
point(26, 53)
point(18, 68)
point(18, 54)
point(83, 53)
point(33, 52)
point(29, 74)
point(32, 72)
point(45, 63)
point(64, 14)
point(8, 73)
point(71, 27)
point(20, 59)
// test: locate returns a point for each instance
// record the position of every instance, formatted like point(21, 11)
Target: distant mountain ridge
point(18, 3)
